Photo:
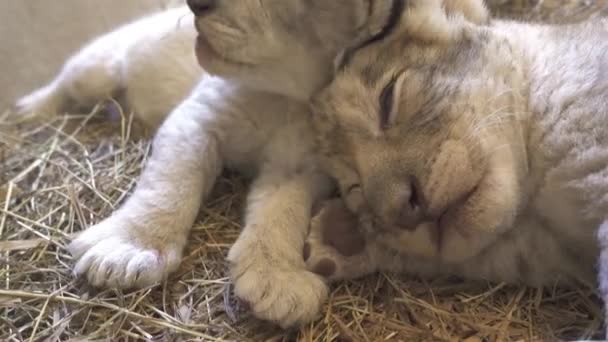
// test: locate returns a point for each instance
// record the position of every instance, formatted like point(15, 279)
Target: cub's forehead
point(376, 65)
point(372, 66)
point(399, 52)
point(374, 60)
point(359, 90)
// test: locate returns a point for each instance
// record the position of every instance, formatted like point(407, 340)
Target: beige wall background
point(36, 36)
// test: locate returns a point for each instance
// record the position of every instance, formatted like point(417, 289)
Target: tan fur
point(258, 48)
point(498, 138)
point(288, 47)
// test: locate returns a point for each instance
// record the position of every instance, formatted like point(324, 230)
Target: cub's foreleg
point(142, 242)
point(267, 265)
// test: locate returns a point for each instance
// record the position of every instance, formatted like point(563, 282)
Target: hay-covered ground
point(60, 177)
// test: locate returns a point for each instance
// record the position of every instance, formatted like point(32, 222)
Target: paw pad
point(335, 248)
point(325, 268)
point(339, 229)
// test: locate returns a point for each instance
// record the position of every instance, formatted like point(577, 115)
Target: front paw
point(335, 248)
point(109, 254)
point(276, 291)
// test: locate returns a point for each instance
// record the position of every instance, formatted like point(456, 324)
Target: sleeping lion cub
point(271, 56)
point(471, 150)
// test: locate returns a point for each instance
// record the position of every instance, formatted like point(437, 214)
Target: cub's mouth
point(449, 219)
point(430, 235)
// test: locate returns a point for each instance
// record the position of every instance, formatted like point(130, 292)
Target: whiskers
point(499, 130)
point(508, 115)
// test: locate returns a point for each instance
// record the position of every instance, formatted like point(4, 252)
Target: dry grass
point(58, 178)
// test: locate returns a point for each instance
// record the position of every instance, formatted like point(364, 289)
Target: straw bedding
point(56, 178)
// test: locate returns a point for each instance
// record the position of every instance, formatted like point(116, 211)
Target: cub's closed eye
point(389, 99)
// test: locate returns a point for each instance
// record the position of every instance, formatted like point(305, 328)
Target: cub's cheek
point(452, 178)
point(469, 228)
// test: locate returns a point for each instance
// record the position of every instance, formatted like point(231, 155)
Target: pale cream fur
point(493, 163)
point(150, 60)
point(258, 48)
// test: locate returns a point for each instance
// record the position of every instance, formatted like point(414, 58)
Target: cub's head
point(422, 131)
point(289, 46)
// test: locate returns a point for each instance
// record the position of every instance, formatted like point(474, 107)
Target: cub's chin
point(213, 62)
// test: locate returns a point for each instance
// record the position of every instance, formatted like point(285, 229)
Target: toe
point(83, 264)
point(145, 268)
point(325, 267)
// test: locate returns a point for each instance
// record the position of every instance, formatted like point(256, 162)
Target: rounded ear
point(335, 22)
point(474, 11)
point(441, 20)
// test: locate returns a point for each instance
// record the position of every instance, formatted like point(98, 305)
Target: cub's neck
point(566, 121)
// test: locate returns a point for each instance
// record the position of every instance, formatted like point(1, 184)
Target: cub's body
point(526, 107)
point(560, 98)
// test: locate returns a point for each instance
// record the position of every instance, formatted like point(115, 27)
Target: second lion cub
point(471, 150)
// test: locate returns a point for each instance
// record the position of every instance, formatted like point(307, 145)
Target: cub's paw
point(335, 248)
point(275, 291)
point(110, 257)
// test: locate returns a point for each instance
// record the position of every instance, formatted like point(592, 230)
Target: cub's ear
point(335, 22)
point(474, 11)
point(441, 20)
point(354, 12)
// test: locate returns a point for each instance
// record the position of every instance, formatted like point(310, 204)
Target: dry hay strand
point(58, 178)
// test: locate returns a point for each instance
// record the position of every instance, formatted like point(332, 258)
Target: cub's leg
point(90, 75)
point(335, 248)
point(143, 241)
point(603, 270)
point(266, 262)
point(149, 61)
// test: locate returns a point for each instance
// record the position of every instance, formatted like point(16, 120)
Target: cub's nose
point(412, 205)
point(201, 7)
point(398, 202)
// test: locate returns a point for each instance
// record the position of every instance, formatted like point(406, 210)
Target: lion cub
point(479, 151)
point(270, 56)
